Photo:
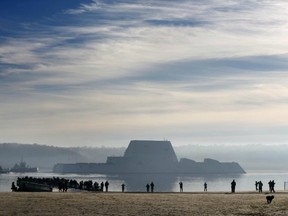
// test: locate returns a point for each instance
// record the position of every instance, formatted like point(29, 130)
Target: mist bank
point(45, 157)
point(250, 157)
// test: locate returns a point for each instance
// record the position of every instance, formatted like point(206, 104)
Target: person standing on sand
point(147, 187)
point(102, 186)
point(152, 187)
point(123, 187)
point(205, 187)
point(260, 185)
point(106, 186)
point(13, 187)
point(233, 186)
point(181, 186)
point(272, 186)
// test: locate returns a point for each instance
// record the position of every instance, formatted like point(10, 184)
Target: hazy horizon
point(124, 145)
point(100, 73)
point(250, 157)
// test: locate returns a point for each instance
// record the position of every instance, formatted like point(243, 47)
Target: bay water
point(165, 182)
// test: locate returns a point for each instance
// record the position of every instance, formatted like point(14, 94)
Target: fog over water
point(250, 157)
point(254, 160)
point(211, 76)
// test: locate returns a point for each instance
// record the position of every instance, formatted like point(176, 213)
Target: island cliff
point(146, 156)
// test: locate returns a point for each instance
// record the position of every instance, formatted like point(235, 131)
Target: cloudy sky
point(100, 73)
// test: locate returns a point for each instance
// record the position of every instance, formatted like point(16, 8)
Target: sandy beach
point(89, 203)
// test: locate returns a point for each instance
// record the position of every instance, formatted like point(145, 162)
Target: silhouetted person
point(205, 186)
point(106, 186)
point(272, 186)
point(13, 187)
point(260, 186)
point(65, 186)
point(181, 186)
point(152, 187)
point(80, 185)
point(102, 186)
point(147, 187)
point(233, 186)
point(96, 186)
point(256, 185)
point(123, 187)
point(61, 185)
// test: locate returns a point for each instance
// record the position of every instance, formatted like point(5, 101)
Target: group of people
point(102, 185)
point(82, 185)
point(181, 186)
point(271, 186)
point(259, 185)
point(150, 186)
point(64, 184)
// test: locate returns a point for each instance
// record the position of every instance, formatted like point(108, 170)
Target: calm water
point(164, 182)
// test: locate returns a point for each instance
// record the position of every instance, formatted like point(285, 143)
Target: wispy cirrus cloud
point(139, 70)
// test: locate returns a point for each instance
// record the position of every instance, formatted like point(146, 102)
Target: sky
point(102, 73)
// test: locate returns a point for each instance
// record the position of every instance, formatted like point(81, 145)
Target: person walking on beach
point(181, 186)
point(233, 186)
point(102, 186)
point(123, 187)
point(147, 187)
point(256, 185)
point(205, 187)
point(260, 185)
point(106, 186)
point(13, 187)
point(152, 187)
point(272, 186)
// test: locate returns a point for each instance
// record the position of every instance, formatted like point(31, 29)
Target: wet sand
point(91, 203)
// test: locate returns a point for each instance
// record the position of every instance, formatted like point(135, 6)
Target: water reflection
point(137, 182)
point(170, 183)
point(215, 182)
point(164, 182)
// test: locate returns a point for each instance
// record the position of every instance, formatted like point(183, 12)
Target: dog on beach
point(269, 199)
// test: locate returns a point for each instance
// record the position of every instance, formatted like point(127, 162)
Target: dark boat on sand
point(25, 186)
